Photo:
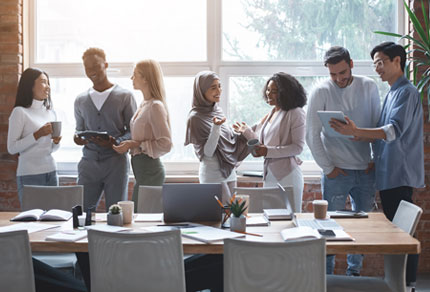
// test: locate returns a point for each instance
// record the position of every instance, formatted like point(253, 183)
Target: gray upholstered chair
point(53, 197)
point(268, 198)
point(406, 218)
point(132, 262)
point(268, 266)
point(149, 199)
point(16, 268)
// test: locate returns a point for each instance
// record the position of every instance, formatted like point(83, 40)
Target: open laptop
point(187, 202)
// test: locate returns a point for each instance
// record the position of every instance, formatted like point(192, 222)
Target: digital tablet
point(326, 116)
point(86, 135)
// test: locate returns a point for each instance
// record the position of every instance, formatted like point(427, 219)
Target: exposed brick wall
point(11, 56)
point(10, 68)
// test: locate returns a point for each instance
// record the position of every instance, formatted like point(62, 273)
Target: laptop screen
point(187, 202)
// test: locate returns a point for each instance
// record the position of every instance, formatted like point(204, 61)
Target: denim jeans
point(361, 187)
point(44, 179)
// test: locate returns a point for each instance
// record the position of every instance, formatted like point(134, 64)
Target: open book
point(41, 215)
point(303, 232)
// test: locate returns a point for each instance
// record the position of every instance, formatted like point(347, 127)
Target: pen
point(248, 233)
point(178, 225)
point(219, 202)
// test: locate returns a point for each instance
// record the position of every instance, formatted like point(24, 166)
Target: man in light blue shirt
point(399, 148)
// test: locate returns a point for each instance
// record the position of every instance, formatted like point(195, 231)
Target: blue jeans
point(44, 179)
point(361, 187)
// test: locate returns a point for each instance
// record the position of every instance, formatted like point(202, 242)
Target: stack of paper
point(303, 232)
point(278, 214)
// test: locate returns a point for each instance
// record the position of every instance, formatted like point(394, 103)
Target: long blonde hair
point(151, 71)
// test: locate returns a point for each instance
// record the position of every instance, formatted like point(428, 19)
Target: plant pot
point(114, 219)
point(238, 223)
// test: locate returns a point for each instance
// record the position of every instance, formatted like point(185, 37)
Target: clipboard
point(325, 117)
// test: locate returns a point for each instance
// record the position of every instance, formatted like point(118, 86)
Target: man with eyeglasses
point(398, 136)
point(347, 165)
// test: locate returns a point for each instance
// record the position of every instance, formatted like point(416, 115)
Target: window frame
point(214, 62)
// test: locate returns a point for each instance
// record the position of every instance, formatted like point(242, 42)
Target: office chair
point(134, 262)
point(406, 218)
point(149, 199)
point(53, 197)
point(251, 266)
point(16, 268)
point(268, 198)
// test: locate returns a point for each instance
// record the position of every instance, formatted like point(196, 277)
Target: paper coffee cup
point(81, 220)
point(56, 129)
point(320, 209)
point(242, 198)
point(251, 145)
point(127, 211)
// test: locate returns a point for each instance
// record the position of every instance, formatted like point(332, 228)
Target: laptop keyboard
point(319, 224)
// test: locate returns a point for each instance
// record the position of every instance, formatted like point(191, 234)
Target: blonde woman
point(150, 127)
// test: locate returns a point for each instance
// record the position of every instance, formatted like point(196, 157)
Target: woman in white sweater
point(30, 131)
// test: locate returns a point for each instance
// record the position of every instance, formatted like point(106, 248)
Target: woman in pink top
point(281, 134)
point(150, 128)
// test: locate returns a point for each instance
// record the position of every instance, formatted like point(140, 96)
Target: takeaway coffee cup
point(56, 129)
point(251, 145)
point(320, 209)
point(244, 198)
point(127, 211)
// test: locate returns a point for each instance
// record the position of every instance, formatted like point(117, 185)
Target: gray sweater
point(114, 118)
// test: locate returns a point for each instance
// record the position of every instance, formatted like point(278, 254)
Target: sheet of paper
point(148, 217)
point(107, 228)
point(30, 227)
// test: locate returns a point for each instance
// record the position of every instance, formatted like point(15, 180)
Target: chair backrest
point(268, 198)
point(136, 261)
point(49, 197)
point(406, 218)
point(149, 199)
point(267, 266)
point(16, 269)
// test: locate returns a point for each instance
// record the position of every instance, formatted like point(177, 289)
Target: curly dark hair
point(291, 93)
point(24, 94)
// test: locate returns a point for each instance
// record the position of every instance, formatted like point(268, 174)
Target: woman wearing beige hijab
point(150, 128)
point(217, 146)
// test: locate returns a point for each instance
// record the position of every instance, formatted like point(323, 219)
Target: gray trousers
point(109, 175)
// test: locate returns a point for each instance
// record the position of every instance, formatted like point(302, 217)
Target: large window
point(245, 41)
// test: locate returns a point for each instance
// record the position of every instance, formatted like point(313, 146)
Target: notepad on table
point(209, 234)
point(257, 220)
point(67, 236)
point(41, 215)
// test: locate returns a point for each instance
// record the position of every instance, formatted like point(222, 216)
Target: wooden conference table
point(373, 235)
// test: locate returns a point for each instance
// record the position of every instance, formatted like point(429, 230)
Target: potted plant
point(238, 219)
point(114, 217)
point(419, 54)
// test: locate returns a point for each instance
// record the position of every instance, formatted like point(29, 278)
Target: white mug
point(127, 211)
point(56, 129)
point(251, 145)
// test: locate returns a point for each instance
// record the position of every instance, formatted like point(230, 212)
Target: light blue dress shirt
point(400, 162)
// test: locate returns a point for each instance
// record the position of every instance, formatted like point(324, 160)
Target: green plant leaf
point(426, 22)
point(417, 25)
point(388, 33)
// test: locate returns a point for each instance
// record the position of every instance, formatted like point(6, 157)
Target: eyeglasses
point(379, 63)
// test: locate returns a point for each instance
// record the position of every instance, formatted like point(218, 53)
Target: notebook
point(209, 234)
point(191, 202)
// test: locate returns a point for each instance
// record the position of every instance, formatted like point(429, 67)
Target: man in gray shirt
point(347, 165)
point(104, 108)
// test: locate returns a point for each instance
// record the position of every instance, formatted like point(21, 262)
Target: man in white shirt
point(347, 165)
